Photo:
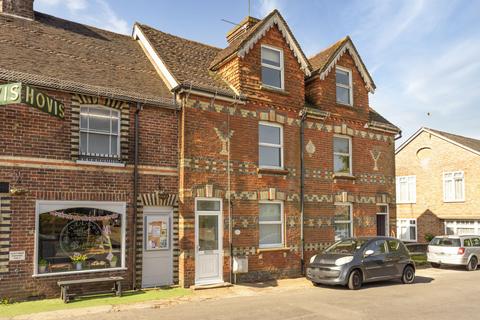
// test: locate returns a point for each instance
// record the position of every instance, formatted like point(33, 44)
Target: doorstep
point(211, 286)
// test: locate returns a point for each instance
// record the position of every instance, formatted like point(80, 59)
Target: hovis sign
point(21, 93)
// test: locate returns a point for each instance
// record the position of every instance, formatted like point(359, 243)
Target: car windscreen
point(445, 242)
point(347, 246)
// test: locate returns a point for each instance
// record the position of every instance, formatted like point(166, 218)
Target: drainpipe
point(303, 115)
point(135, 196)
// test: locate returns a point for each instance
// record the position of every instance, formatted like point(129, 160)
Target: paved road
point(437, 294)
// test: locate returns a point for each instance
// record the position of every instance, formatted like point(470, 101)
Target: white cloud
point(264, 7)
point(95, 12)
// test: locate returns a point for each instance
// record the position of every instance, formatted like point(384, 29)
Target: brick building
point(67, 150)
point(437, 185)
point(251, 152)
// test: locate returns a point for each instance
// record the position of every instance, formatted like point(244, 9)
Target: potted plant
point(113, 262)
point(42, 266)
point(78, 260)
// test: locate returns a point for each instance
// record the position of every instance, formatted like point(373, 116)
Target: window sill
point(56, 274)
point(101, 163)
point(453, 201)
point(344, 104)
point(406, 202)
point(345, 176)
point(279, 171)
point(260, 250)
point(273, 89)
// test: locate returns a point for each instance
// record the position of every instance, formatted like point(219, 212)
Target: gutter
point(135, 195)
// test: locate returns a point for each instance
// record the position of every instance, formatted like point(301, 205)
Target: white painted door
point(157, 247)
point(208, 241)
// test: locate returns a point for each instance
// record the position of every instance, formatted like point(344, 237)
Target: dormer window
point(272, 67)
point(344, 86)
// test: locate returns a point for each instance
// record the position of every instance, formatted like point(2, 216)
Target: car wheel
point(355, 280)
point(472, 264)
point(435, 265)
point(408, 275)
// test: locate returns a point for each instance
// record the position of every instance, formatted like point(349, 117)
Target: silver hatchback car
point(454, 250)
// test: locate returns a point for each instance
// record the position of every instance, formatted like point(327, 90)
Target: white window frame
point(43, 206)
point(397, 186)
point(281, 68)
point(350, 154)
point(110, 134)
point(407, 223)
point(350, 221)
point(265, 144)
point(282, 223)
point(350, 87)
point(387, 214)
point(455, 224)
point(445, 199)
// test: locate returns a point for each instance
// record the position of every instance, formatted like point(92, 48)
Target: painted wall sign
point(16, 256)
point(22, 93)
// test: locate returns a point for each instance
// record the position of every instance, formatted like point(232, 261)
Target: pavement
point(436, 294)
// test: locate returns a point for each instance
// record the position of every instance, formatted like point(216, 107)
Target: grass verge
point(420, 259)
point(20, 308)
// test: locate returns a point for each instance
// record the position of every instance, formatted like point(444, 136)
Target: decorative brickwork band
point(156, 199)
point(5, 225)
point(78, 101)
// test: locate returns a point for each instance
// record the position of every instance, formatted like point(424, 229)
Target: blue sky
point(424, 55)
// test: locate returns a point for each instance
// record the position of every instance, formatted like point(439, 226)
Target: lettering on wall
point(12, 93)
point(375, 156)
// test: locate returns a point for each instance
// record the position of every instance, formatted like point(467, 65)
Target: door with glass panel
point(208, 241)
point(157, 266)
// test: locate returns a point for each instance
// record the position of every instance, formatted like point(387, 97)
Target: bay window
point(271, 227)
point(79, 236)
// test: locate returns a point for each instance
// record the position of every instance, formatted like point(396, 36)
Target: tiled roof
point(188, 61)
point(374, 116)
point(324, 57)
point(471, 143)
point(56, 53)
point(238, 43)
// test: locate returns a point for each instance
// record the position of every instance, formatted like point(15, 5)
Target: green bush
point(429, 237)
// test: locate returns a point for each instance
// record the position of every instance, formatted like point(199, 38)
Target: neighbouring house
point(168, 161)
point(437, 185)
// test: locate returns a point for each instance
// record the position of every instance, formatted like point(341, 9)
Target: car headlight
point(344, 260)
point(313, 258)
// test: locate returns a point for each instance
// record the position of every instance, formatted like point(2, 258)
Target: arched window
point(99, 132)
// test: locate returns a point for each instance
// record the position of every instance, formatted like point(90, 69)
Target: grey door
point(375, 264)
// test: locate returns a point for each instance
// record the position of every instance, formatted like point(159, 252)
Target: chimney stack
point(19, 8)
point(241, 28)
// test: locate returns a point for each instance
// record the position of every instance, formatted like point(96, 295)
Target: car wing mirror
point(368, 253)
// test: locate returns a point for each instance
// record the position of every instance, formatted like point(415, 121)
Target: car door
point(395, 257)
point(375, 264)
point(476, 246)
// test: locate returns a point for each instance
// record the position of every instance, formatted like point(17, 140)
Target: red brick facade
point(203, 164)
point(35, 156)
point(207, 149)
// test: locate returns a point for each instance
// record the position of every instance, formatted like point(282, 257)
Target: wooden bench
point(64, 286)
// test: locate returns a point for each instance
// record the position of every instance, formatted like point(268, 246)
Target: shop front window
point(79, 239)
